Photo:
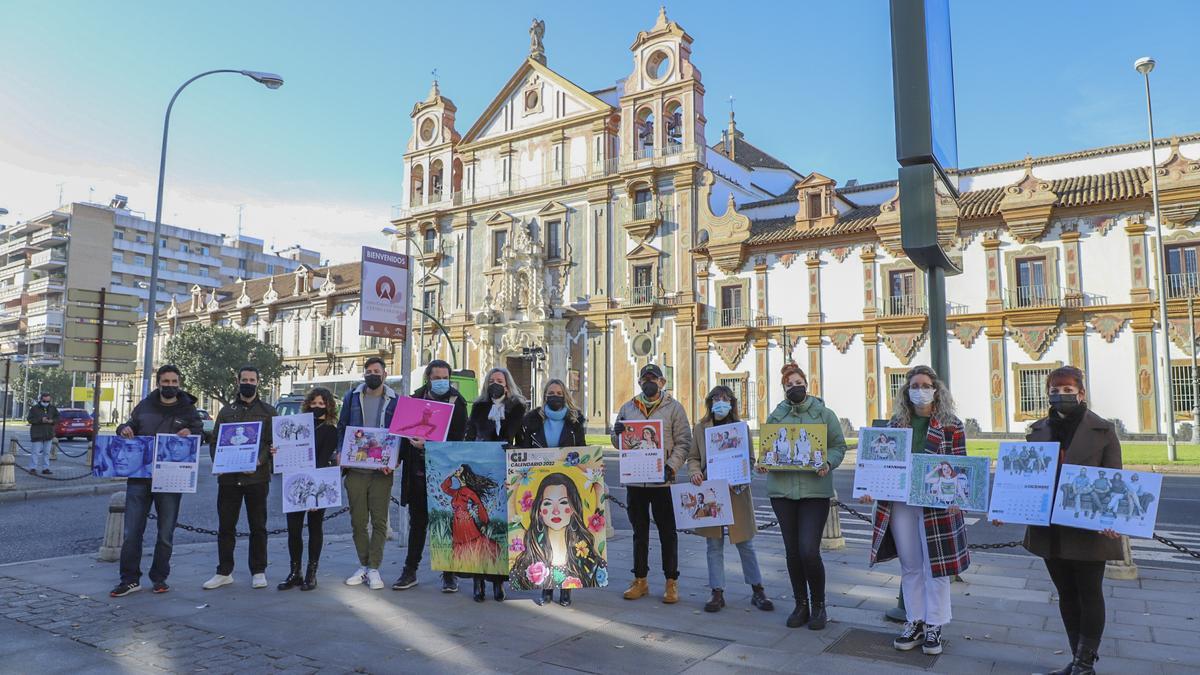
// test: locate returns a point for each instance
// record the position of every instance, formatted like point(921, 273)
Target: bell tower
point(662, 110)
point(433, 171)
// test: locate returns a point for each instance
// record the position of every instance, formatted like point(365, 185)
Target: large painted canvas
point(468, 515)
point(557, 517)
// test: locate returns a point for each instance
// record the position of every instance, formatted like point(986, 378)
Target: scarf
point(648, 407)
point(1062, 429)
point(553, 427)
point(496, 414)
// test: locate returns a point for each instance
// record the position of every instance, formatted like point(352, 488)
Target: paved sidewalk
point(56, 617)
point(70, 476)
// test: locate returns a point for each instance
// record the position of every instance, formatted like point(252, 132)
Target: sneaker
point(122, 589)
point(217, 581)
point(933, 640)
point(258, 581)
point(374, 581)
point(45, 472)
point(407, 580)
point(161, 587)
point(911, 636)
point(449, 582)
point(359, 576)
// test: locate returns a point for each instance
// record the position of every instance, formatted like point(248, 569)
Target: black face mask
point(495, 391)
point(169, 392)
point(650, 388)
point(797, 394)
point(247, 390)
point(373, 381)
point(318, 414)
point(555, 403)
point(1064, 404)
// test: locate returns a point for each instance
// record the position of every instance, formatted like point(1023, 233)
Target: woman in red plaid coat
point(931, 543)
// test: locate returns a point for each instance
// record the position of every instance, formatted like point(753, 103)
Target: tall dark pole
point(7, 408)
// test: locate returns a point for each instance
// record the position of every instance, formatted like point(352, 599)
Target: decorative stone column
point(1077, 345)
point(114, 529)
point(597, 230)
point(1071, 263)
point(1143, 354)
point(761, 347)
point(813, 262)
point(997, 391)
point(870, 305)
point(597, 376)
point(991, 252)
point(1139, 277)
point(871, 374)
point(814, 364)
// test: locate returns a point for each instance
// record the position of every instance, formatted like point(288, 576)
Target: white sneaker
point(359, 576)
point(258, 581)
point(217, 581)
point(374, 581)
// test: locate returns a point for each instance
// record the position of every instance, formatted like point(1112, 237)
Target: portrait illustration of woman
point(559, 551)
point(649, 440)
point(470, 515)
point(943, 482)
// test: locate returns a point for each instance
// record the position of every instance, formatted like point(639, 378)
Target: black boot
point(544, 598)
point(1085, 659)
point(818, 619)
point(1066, 670)
point(760, 600)
point(498, 591)
point(293, 578)
point(716, 602)
point(480, 590)
point(564, 597)
point(310, 576)
point(799, 616)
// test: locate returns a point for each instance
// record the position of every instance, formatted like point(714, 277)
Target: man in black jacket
point(167, 410)
point(251, 487)
point(42, 418)
point(412, 481)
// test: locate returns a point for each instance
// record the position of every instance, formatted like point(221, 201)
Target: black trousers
point(801, 522)
point(1080, 598)
point(418, 526)
point(642, 502)
point(316, 535)
point(229, 508)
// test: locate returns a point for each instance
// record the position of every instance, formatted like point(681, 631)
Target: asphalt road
point(57, 526)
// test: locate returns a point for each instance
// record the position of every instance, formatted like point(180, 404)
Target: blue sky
point(85, 86)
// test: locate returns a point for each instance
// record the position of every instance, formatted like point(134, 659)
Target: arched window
point(673, 118)
point(644, 128)
point(417, 186)
point(435, 181)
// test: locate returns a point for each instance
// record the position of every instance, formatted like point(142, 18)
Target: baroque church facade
point(580, 234)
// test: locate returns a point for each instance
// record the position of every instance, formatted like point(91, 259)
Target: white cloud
point(336, 230)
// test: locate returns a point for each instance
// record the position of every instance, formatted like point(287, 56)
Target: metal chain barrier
point(1178, 547)
point(213, 533)
point(52, 477)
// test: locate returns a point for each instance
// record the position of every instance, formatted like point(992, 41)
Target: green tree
point(209, 358)
point(54, 380)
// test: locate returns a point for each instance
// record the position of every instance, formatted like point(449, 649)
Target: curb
point(73, 491)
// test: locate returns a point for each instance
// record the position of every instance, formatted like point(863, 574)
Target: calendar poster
point(237, 447)
point(1023, 490)
point(176, 463)
point(881, 470)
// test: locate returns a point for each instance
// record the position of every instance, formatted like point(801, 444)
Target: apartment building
point(85, 245)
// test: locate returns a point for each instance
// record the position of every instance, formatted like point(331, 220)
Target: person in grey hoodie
point(655, 404)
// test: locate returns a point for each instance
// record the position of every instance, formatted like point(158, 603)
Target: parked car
point(289, 404)
point(209, 423)
point(74, 422)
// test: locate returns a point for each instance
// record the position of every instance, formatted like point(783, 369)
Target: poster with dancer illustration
point(295, 444)
point(420, 418)
point(881, 469)
point(1095, 498)
point(557, 511)
point(468, 515)
point(705, 505)
point(369, 448)
point(792, 447)
point(727, 449)
point(642, 458)
point(306, 489)
point(120, 457)
point(1023, 490)
point(237, 447)
point(176, 463)
point(940, 481)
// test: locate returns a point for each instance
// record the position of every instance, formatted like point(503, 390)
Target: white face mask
point(921, 397)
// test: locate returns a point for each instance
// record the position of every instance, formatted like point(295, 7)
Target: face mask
point(495, 391)
point(556, 402)
point(373, 381)
point(318, 414)
point(797, 394)
point(720, 409)
point(921, 397)
point(168, 392)
point(44, 403)
point(1064, 404)
point(650, 388)
point(439, 387)
point(247, 390)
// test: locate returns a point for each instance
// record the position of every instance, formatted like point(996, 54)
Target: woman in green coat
point(801, 499)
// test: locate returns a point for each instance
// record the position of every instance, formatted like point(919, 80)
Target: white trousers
point(925, 598)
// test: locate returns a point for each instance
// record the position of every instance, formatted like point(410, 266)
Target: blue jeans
point(716, 562)
point(137, 509)
point(40, 454)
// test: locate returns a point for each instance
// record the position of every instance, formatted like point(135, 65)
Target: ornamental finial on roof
point(662, 17)
point(537, 51)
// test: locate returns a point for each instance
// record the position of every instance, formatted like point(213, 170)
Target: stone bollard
point(401, 522)
point(8, 472)
point(831, 538)
point(53, 449)
point(13, 446)
point(114, 529)
point(1125, 568)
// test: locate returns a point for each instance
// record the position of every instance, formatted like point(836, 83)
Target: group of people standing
point(930, 543)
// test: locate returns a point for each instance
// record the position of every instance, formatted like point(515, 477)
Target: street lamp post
point(1144, 65)
point(271, 81)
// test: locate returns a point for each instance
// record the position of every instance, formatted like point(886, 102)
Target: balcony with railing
point(18, 244)
point(48, 259)
point(914, 305)
point(737, 317)
point(11, 292)
point(49, 236)
point(1183, 286)
point(13, 267)
point(43, 306)
point(48, 284)
point(1042, 296)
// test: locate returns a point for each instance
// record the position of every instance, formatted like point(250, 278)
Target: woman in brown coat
point(721, 405)
point(1075, 558)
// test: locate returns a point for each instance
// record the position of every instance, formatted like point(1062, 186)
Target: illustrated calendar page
point(642, 458)
point(176, 463)
point(293, 437)
point(237, 447)
point(728, 453)
point(1023, 490)
point(881, 470)
point(1095, 498)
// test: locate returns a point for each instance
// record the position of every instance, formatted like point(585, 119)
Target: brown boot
point(638, 588)
point(716, 602)
point(671, 594)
